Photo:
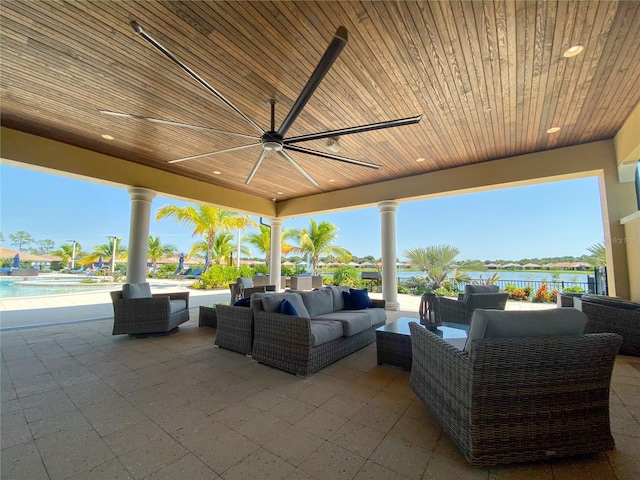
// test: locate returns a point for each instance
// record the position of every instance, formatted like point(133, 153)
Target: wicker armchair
point(613, 315)
point(518, 399)
point(155, 315)
point(475, 296)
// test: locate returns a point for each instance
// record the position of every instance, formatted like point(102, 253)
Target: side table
point(207, 317)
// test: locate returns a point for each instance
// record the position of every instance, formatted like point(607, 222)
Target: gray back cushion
point(530, 323)
point(136, 290)
point(271, 303)
point(338, 299)
point(318, 302)
point(481, 289)
point(246, 282)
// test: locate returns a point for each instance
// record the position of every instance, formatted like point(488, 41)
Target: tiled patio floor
point(79, 403)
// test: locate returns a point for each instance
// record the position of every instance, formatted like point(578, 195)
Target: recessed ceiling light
point(107, 137)
point(217, 172)
point(487, 110)
point(421, 159)
point(280, 193)
point(573, 51)
point(332, 180)
point(553, 130)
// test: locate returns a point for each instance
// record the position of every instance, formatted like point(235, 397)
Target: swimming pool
point(38, 286)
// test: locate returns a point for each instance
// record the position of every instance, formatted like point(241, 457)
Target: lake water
point(537, 276)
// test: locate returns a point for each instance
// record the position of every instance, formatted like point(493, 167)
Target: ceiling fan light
point(333, 145)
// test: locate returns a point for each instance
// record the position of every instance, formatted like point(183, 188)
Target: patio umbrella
point(16, 261)
point(99, 262)
point(181, 262)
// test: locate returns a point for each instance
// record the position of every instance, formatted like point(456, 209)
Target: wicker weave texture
point(603, 318)
point(235, 328)
point(284, 342)
point(147, 315)
point(460, 311)
point(518, 399)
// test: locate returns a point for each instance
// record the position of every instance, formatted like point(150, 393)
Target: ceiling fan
point(275, 140)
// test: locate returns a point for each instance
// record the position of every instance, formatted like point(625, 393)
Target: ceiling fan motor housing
point(271, 141)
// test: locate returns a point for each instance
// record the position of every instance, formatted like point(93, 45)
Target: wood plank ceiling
point(489, 77)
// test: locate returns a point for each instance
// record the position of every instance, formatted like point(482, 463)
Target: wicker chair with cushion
point(615, 315)
point(527, 386)
point(474, 296)
point(137, 312)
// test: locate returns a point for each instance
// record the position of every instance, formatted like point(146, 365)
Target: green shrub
point(574, 289)
point(261, 268)
point(346, 275)
point(220, 276)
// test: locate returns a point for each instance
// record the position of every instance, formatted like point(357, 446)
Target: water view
point(37, 286)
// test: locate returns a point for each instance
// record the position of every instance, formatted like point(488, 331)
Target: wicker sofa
point(323, 331)
point(518, 398)
point(615, 315)
point(474, 297)
point(137, 312)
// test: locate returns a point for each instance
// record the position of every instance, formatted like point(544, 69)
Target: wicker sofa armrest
point(441, 378)
point(378, 303)
point(282, 341)
point(234, 329)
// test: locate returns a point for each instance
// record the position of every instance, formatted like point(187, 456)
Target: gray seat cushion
point(177, 305)
point(531, 323)
point(352, 321)
point(271, 303)
point(318, 302)
point(376, 315)
point(136, 290)
point(324, 331)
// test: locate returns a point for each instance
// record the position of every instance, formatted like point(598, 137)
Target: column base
point(393, 306)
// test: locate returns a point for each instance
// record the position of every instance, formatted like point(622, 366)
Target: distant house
point(492, 266)
point(531, 266)
point(511, 265)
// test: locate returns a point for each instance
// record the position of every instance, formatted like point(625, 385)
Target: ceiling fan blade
point(138, 29)
point(351, 130)
point(330, 55)
point(176, 124)
point(218, 152)
point(331, 156)
point(263, 154)
point(286, 156)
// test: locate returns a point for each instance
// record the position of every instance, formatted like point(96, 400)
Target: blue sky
point(551, 219)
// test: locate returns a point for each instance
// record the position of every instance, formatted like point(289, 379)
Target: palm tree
point(65, 252)
point(156, 250)
point(206, 221)
point(105, 251)
point(262, 241)
point(437, 262)
point(317, 240)
point(599, 255)
point(223, 248)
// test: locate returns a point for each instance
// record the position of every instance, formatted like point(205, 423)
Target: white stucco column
point(275, 267)
point(141, 199)
point(389, 270)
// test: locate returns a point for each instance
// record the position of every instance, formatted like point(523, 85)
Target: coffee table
point(393, 341)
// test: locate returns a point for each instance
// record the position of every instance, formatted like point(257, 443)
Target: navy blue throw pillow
point(243, 302)
point(357, 299)
point(287, 308)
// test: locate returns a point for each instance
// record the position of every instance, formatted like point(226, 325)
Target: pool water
point(35, 286)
